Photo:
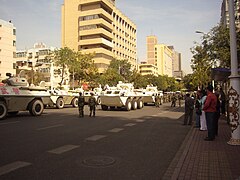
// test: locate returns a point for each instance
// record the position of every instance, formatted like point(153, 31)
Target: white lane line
point(13, 166)
point(140, 120)
point(63, 149)
point(130, 124)
point(14, 122)
point(155, 115)
point(49, 127)
point(95, 137)
point(115, 130)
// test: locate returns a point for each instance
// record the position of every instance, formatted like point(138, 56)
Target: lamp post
point(234, 91)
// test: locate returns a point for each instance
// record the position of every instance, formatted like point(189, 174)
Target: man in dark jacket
point(189, 106)
point(81, 103)
point(92, 105)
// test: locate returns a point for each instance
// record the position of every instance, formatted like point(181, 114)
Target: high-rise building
point(7, 48)
point(164, 60)
point(97, 26)
point(151, 42)
point(225, 13)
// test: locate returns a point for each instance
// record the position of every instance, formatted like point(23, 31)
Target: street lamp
point(234, 91)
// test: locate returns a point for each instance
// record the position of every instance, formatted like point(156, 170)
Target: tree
point(64, 58)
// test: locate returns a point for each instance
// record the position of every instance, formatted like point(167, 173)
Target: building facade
point(147, 69)
point(225, 13)
point(151, 42)
point(97, 26)
point(7, 48)
point(164, 60)
point(37, 60)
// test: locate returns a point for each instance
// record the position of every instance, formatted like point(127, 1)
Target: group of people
point(207, 106)
point(92, 103)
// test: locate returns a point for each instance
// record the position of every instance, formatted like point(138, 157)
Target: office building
point(7, 48)
point(97, 26)
point(151, 42)
point(147, 69)
point(225, 13)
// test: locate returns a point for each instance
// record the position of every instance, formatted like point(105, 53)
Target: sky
point(174, 22)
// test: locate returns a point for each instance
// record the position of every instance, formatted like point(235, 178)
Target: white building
point(7, 48)
point(37, 60)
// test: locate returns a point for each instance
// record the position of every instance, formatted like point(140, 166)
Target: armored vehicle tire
point(140, 104)
point(134, 104)
point(128, 105)
point(36, 107)
point(75, 102)
point(3, 110)
point(98, 100)
point(60, 103)
point(104, 107)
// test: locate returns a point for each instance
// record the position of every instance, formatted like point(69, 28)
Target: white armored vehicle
point(149, 94)
point(16, 95)
point(60, 98)
point(121, 96)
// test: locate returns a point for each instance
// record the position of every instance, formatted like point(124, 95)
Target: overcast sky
point(174, 22)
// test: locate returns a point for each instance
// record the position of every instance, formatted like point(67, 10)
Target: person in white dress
point(203, 124)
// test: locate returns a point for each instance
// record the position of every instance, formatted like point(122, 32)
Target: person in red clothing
point(210, 110)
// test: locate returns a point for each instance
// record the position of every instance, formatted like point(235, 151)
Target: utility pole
point(234, 91)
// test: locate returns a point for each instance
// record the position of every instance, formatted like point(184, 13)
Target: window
point(14, 43)
point(14, 31)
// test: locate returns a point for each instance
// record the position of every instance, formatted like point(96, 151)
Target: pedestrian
point(174, 99)
point(81, 103)
point(92, 105)
point(210, 110)
point(223, 101)
point(189, 106)
point(179, 100)
point(203, 123)
point(217, 114)
point(157, 101)
point(198, 109)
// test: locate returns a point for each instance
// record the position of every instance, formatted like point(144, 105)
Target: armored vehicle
point(16, 95)
point(122, 96)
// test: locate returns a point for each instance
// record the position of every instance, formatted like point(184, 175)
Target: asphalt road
point(115, 145)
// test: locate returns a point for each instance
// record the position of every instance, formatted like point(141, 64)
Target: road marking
point(140, 120)
point(115, 130)
point(95, 137)
point(13, 166)
point(130, 124)
point(49, 127)
point(14, 122)
point(63, 149)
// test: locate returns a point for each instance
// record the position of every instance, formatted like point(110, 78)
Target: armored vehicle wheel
point(128, 105)
point(134, 104)
point(36, 107)
point(3, 110)
point(98, 100)
point(104, 107)
point(140, 104)
point(75, 102)
point(60, 103)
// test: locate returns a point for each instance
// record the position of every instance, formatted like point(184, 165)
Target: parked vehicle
point(16, 95)
point(60, 98)
point(122, 96)
point(149, 94)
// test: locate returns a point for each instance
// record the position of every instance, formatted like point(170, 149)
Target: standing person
point(223, 101)
point(198, 109)
point(217, 114)
point(81, 103)
point(174, 99)
point(203, 123)
point(189, 106)
point(92, 105)
point(210, 110)
point(179, 100)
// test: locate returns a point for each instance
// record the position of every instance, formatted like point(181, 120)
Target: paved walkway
point(206, 160)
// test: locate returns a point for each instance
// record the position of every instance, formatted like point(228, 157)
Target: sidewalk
point(206, 160)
